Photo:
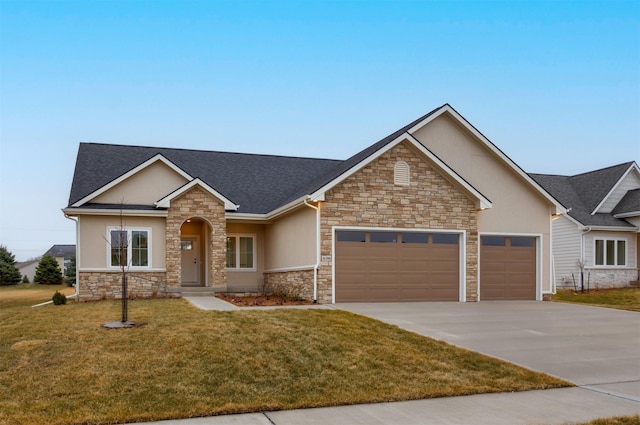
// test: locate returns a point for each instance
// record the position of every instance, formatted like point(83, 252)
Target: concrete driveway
point(595, 348)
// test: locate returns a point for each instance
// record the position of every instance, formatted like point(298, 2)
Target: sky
point(554, 84)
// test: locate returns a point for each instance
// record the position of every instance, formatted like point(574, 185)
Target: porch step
point(195, 291)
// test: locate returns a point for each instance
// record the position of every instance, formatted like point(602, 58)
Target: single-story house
point(434, 211)
point(596, 244)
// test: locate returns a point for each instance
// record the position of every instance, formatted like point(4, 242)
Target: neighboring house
point(28, 268)
point(434, 211)
point(62, 254)
point(601, 228)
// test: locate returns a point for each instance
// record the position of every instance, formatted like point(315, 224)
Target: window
point(445, 238)
point(415, 237)
point(611, 252)
point(401, 173)
point(387, 237)
point(129, 247)
point(350, 236)
point(240, 252)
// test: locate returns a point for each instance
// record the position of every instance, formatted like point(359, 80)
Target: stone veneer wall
point(369, 198)
point(196, 203)
point(296, 283)
point(108, 285)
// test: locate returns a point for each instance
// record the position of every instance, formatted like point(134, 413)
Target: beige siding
point(291, 240)
point(566, 251)
point(630, 182)
point(144, 188)
point(93, 239)
point(517, 207)
point(241, 280)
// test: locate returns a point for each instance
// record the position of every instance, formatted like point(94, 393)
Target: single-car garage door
point(397, 266)
point(507, 268)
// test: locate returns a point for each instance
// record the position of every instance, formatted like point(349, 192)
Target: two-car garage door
point(411, 266)
point(397, 266)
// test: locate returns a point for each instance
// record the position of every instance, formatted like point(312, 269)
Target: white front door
point(190, 250)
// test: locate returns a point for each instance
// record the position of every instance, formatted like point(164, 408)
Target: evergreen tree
point(48, 271)
point(9, 273)
point(70, 273)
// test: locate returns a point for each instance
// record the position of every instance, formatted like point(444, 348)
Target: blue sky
point(555, 85)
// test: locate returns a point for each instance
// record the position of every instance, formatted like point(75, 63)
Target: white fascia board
point(493, 148)
point(483, 201)
point(614, 228)
point(628, 214)
point(123, 212)
point(633, 166)
point(135, 170)
point(166, 201)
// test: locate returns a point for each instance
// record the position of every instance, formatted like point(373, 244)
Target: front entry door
point(190, 250)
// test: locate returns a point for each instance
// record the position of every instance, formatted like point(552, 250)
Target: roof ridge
point(628, 164)
point(211, 151)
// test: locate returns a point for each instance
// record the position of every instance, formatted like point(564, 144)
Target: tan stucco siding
point(518, 208)
point(248, 280)
point(94, 247)
point(291, 240)
point(145, 187)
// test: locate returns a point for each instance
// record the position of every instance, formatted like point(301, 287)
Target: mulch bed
point(261, 300)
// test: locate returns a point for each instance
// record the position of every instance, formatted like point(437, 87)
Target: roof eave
point(166, 201)
point(76, 211)
point(615, 186)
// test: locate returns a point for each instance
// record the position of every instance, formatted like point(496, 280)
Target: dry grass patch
point(622, 298)
point(188, 363)
point(30, 293)
point(619, 420)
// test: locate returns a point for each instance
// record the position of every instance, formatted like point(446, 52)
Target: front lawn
point(59, 366)
point(623, 298)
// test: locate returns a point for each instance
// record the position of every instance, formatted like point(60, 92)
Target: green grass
point(623, 299)
point(59, 366)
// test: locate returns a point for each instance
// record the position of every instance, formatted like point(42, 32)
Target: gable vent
point(401, 174)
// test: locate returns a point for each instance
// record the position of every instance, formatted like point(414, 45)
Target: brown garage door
point(507, 268)
point(397, 266)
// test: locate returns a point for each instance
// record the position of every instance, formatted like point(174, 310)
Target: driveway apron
point(595, 348)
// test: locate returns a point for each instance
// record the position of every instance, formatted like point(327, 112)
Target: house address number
point(326, 258)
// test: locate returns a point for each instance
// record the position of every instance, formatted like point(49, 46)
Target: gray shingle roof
point(62, 251)
point(583, 192)
point(629, 203)
point(258, 183)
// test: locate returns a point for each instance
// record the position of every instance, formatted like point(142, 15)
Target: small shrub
point(59, 298)
point(25, 279)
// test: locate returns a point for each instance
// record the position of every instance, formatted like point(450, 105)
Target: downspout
point(317, 265)
point(582, 259)
point(76, 295)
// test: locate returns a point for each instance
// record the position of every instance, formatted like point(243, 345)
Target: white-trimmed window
point(129, 247)
point(241, 251)
point(401, 173)
point(610, 252)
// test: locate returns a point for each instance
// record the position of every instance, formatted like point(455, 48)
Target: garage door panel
point(508, 272)
point(416, 270)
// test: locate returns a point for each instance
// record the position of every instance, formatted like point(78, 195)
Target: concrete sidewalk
point(558, 406)
point(592, 400)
